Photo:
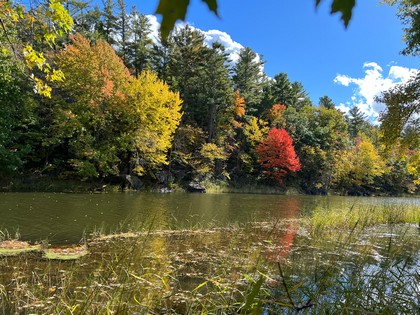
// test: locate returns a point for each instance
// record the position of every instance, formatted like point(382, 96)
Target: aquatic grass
point(359, 217)
point(376, 272)
point(222, 271)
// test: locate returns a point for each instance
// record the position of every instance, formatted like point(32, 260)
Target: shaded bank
point(137, 184)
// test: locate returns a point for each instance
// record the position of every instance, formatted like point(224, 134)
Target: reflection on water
point(64, 218)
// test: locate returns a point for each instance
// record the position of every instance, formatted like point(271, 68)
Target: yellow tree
point(359, 165)
point(413, 166)
point(109, 121)
point(156, 115)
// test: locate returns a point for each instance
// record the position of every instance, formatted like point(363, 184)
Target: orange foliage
point(94, 73)
point(239, 105)
point(275, 115)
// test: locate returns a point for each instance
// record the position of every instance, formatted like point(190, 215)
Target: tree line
point(86, 93)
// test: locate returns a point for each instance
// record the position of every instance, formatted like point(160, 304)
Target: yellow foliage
point(413, 166)
point(51, 20)
point(255, 131)
point(212, 152)
point(360, 164)
point(157, 112)
point(209, 153)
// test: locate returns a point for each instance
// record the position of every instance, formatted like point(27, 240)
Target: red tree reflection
point(284, 232)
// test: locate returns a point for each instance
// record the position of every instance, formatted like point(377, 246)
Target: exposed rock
point(134, 182)
point(165, 190)
point(165, 177)
point(194, 187)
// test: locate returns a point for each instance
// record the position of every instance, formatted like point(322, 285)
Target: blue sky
point(311, 46)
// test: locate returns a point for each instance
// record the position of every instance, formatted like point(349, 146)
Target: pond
point(64, 218)
point(211, 253)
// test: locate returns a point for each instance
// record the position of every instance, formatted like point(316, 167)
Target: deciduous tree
point(401, 119)
point(277, 155)
point(27, 43)
point(91, 112)
point(359, 165)
point(156, 115)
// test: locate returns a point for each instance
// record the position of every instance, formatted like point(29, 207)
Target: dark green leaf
point(172, 11)
point(253, 294)
point(212, 4)
point(345, 7)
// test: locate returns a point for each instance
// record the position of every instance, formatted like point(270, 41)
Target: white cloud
point(224, 38)
point(372, 84)
point(400, 73)
point(155, 26)
point(342, 79)
point(211, 36)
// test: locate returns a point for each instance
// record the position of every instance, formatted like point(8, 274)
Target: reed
point(359, 217)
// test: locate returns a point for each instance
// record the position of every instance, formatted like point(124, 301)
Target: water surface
point(64, 218)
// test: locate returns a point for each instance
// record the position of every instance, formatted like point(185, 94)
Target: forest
point(88, 94)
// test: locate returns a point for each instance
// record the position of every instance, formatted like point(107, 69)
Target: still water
point(65, 218)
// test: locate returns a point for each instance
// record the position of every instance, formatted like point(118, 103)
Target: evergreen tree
point(326, 102)
point(281, 90)
point(160, 57)
point(188, 55)
point(356, 121)
point(217, 90)
point(88, 23)
point(108, 25)
point(248, 78)
point(139, 48)
point(122, 30)
point(79, 10)
point(299, 97)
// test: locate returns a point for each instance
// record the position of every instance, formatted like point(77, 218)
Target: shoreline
point(53, 185)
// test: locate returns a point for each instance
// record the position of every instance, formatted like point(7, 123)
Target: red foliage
point(277, 155)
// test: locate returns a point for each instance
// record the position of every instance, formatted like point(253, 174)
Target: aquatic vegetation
point(15, 247)
point(271, 267)
point(65, 253)
point(360, 216)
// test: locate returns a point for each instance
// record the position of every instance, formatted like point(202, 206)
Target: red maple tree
point(277, 155)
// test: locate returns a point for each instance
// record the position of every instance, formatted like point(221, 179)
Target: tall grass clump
point(359, 217)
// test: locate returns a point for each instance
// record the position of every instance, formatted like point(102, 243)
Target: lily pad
point(65, 253)
point(15, 247)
